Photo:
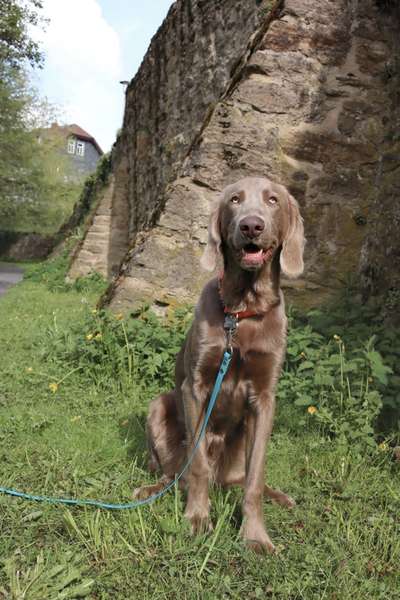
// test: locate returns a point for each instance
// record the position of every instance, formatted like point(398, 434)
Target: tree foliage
point(34, 189)
point(16, 46)
point(17, 143)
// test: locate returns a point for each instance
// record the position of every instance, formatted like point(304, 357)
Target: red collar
point(242, 314)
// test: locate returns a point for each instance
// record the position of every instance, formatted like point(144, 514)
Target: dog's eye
point(235, 199)
point(273, 200)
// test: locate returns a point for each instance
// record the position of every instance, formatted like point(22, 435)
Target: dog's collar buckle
point(230, 322)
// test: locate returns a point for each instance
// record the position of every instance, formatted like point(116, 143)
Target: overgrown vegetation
point(50, 193)
point(37, 192)
point(52, 274)
point(89, 194)
point(335, 368)
point(74, 388)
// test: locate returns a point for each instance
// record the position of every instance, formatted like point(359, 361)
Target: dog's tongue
point(254, 258)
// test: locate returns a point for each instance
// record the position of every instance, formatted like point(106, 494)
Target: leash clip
point(230, 326)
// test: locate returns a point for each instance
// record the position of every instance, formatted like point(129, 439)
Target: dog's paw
point(200, 522)
point(199, 525)
point(261, 547)
point(278, 497)
point(144, 492)
point(284, 500)
point(257, 539)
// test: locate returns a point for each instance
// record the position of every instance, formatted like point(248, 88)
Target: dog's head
point(254, 219)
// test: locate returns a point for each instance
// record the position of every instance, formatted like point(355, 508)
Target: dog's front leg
point(198, 503)
point(258, 430)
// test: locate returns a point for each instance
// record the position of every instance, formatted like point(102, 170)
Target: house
point(81, 148)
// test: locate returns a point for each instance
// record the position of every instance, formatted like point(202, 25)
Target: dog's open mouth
point(253, 255)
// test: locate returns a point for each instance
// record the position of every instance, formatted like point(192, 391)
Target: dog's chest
point(248, 373)
point(250, 337)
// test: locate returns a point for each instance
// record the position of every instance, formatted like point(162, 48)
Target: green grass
point(86, 439)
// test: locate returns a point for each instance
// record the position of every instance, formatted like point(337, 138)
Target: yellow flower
point(302, 355)
point(29, 370)
point(119, 316)
point(312, 410)
point(77, 418)
point(94, 311)
point(53, 387)
point(89, 337)
point(383, 446)
point(98, 336)
point(337, 338)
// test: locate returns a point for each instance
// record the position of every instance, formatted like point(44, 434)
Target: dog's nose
point(252, 227)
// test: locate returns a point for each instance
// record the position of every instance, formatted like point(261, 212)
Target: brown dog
point(258, 230)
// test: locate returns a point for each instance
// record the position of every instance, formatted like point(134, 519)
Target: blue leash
point(214, 395)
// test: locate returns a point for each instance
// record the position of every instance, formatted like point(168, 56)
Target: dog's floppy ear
point(213, 248)
point(291, 258)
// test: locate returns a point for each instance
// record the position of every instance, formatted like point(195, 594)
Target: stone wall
point(380, 257)
point(187, 66)
point(300, 95)
point(25, 246)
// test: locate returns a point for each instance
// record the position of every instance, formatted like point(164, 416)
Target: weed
point(351, 380)
point(265, 7)
point(337, 390)
point(118, 353)
point(53, 274)
point(64, 581)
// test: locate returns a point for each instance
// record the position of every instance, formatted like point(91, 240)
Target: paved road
point(9, 275)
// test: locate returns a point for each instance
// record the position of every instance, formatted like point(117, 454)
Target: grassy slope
point(341, 541)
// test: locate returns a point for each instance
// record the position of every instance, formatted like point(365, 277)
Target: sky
point(90, 46)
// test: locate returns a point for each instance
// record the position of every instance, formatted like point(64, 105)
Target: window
point(80, 148)
point(71, 146)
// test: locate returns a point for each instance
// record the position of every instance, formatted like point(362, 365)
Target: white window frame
point(71, 145)
point(80, 148)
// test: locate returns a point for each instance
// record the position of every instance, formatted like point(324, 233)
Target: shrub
point(338, 391)
point(123, 353)
point(346, 384)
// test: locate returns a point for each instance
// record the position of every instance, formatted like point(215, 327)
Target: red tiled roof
point(80, 133)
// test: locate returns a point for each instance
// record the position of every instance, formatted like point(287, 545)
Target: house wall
point(84, 165)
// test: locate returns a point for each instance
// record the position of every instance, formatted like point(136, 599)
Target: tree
point(35, 192)
point(17, 144)
point(16, 46)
